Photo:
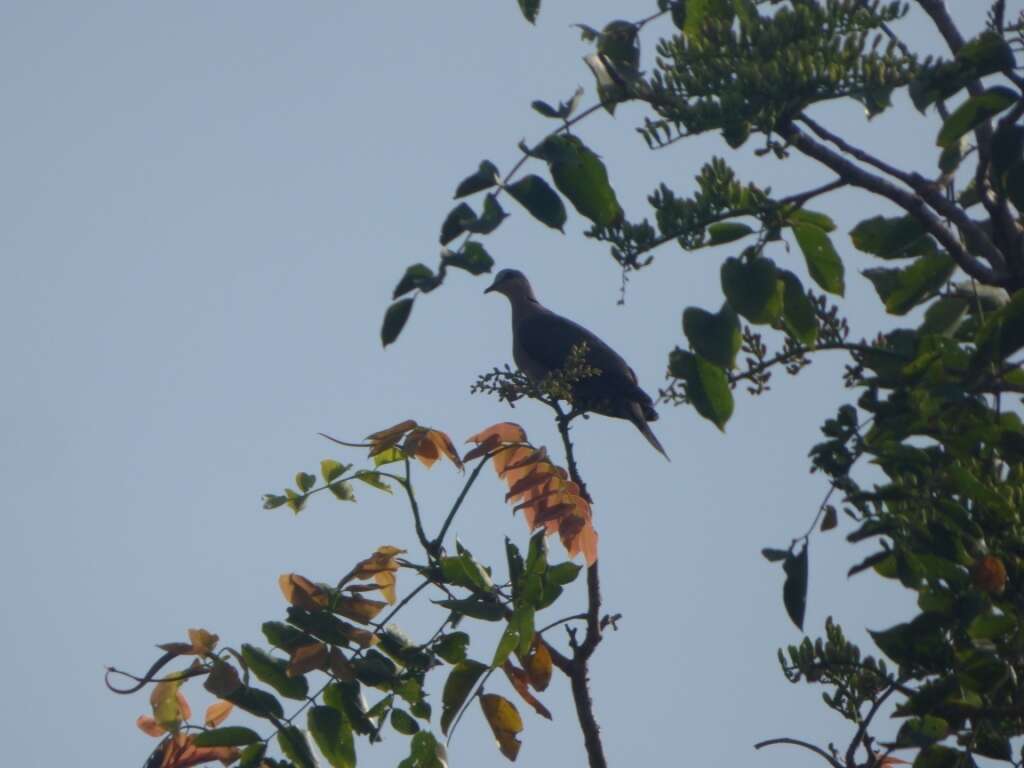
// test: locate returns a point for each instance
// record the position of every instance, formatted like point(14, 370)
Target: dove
point(542, 341)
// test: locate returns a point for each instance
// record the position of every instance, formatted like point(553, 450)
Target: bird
point(542, 341)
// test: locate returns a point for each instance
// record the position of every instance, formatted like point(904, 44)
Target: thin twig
point(816, 750)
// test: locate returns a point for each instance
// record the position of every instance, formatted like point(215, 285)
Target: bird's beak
point(491, 287)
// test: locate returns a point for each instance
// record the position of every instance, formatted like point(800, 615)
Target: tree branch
point(913, 204)
point(816, 750)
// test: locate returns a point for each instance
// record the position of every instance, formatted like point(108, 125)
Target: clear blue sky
point(204, 209)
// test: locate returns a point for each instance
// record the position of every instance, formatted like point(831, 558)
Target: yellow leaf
point(538, 664)
point(203, 642)
point(306, 658)
point(386, 581)
point(301, 592)
point(169, 705)
point(217, 713)
point(505, 722)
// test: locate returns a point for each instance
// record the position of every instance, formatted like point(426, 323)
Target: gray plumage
point(542, 341)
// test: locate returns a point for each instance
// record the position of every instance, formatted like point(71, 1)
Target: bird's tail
point(637, 414)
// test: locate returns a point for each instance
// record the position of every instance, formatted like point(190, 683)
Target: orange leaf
point(443, 444)
point(301, 592)
point(181, 752)
point(149, 726)
point(513, 455)
point(424, 449)
point(536, 478)
point(217, 713)
point(306, 658)
point(203, 642)
point(399, 429)
point(381, 560)
point(506, 432)
point(505, 722)
point(519, 680)
point(537, 664)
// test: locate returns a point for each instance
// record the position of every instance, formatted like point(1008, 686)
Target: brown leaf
point(445, 446)
point(203, 642)
point(217, 713)
point(831, 519)
point(538, 477)
point(482, 449)
point(505, 722)
point(306, 658)
point(537, 664)
point(399, 429)
point(514, 455)
point(520, 681)
point(358, 608)
point(301, 592)
point(381, 560)
point(340, 666)
point(362, 637)
point(424, 449)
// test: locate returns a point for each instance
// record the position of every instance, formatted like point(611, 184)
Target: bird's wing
point(548, 339)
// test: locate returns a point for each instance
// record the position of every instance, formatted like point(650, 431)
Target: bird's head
point(513, 284)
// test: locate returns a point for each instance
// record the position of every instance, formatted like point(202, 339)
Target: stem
point(407, 485)
point(577, 666)
point(816, 750)
point(435, 545)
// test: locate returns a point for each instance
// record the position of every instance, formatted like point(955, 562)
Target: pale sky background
point(204, 209)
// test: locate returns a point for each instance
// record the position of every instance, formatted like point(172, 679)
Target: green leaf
point(916, 643)
point(452, 647)
point(1002, 334)
point(715, 337)
point(975, 111)
point(403, 722)
point(256, 702)
point(285, 637)
point(389, 456)
point(896, 238)
point(342, 491)
point(491, 218)
point(394, 320)
point(333, 736)
point(273, 672)
point(545, 109)
point(922, 731)
point(774, 555)
point(295, 747)
point(473, 258)
point(331, 470)
point(457, 688)
point(726, 232)
point(989, 626)
point(823, 263)
point(697, 11)
point(252, 756)
point(798, 313)
point(373, 479)
point(455, 223)
point(418, 276)
point(374, 668)
point(530, 9)
point(485, 177)
point(944, 315)
point(903, 289)
point(580, 175)
point(981, 671)
point(937, 756)
point(347, 698)
point(794, 590)
point(475, 608)
point(813, 218)
point(542, 202)
point(752, 288)
point(232, 736)
point(305, 481)
point(707, 386)
point(295, 501)
point(563, 573)
point(271, 501)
